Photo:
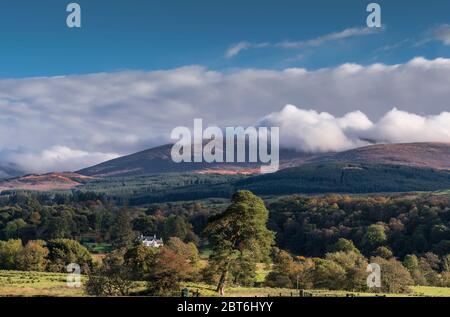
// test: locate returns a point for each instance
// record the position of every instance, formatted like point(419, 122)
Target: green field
point(15, 283)
point(97, 248)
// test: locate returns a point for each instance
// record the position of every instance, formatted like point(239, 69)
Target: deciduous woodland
point(308, 242)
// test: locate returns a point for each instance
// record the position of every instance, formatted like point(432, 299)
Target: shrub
point(65, 251)
point(111, 278)
point(33, 256)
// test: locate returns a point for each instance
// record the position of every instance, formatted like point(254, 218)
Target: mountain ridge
point(45, 182)
point(158, 160)
point(419, 154)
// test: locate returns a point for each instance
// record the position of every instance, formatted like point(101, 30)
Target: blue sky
point(152, 34)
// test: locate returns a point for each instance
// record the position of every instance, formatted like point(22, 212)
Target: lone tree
point(239, 235)
point(122, 234)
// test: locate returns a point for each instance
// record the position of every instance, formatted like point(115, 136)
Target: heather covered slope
point(45, 182)
point(152, 175)
point(432, 155)
point(158, 160)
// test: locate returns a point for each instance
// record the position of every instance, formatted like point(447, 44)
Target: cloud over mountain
point(312, 131)
point(103, 115)
point(57, 157)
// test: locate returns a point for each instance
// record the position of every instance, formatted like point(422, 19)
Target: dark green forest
point(347, 178)
point(307, 179)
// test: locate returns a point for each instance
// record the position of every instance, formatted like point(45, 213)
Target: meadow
point(28, 284)
point(16, 283)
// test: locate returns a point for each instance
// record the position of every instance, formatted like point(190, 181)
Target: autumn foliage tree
point(169, 269)
point(33, 256)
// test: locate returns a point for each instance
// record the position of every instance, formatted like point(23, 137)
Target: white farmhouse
point(151, 242)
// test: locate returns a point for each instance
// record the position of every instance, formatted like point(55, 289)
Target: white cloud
point(123, 112)
point(400, 126)
point(442, 34)
point(312, 131)
point(59, 158)
point(335, 36)
point(235, 49)
point(241, 46)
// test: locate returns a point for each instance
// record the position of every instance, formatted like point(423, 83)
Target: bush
point(111, 278)
point(9, 254)
point(65, 251)
point(327, 274)
point(33, 256)
point(344, 245)
point(354, 265)
point(140, 260)
point(168, 270)
point(384, 252)
point(395, 278)
point(411, 263)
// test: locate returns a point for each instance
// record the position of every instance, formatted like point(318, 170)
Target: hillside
point(347, 178)
point(152, 175)
point(308, 179)
point(431, 155)
point(158, 160)
point(45, 182)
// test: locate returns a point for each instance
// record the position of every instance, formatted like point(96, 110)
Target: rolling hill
point(307, 179)
point(45, 182)
point(158, 160)
point(428, 155)
point(152, 174)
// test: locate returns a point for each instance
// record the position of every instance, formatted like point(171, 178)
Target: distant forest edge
point(348, 178)
point(151, 176)
point(307, 179)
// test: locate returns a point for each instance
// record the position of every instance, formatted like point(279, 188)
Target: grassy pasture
point(15, 283)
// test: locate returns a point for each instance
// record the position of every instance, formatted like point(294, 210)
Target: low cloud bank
point(312, 131)
point(98, 116)
point(56, 158)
